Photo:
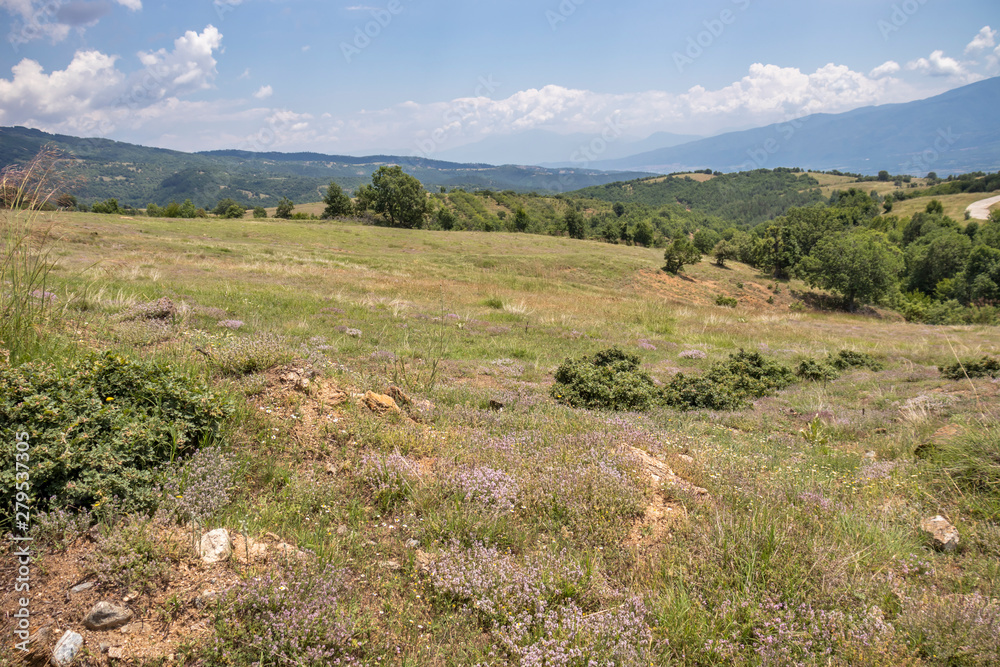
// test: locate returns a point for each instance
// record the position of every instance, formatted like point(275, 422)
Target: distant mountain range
point(956, 132)
point(548, 149)
point(138, 175)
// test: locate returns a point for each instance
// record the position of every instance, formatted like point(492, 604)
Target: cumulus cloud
point(938, 64)
point(984, 40)
point(134, 5)
point(188, 68)
point(92, 96)
point(887, 68)
point(82, 13)
point(264, 92)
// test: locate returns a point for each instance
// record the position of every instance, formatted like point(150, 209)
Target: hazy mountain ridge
point(955, 132)
point(137, 175)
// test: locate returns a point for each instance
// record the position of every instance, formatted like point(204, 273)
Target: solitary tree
point(397, 196)
point(259, 212)
point(725, 251)
point(862, 266)
point(521, 219)
point(619, 209)
point(679, 252)
point(338, 204)
point(285, 206)
point(575, 225)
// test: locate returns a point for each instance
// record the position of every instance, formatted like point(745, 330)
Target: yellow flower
point(110, 398)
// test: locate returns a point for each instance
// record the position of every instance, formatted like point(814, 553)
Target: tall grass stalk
point(24, 253)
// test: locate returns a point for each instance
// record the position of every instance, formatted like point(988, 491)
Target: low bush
point(850, 359)
point(817, 371)
point(98, 428)
point(730, 384)
point(727, 301)
point(610, 380)
point(972, 368)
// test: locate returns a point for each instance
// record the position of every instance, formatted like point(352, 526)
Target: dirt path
point(980, 210)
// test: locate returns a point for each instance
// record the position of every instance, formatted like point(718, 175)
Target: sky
point(417, 77)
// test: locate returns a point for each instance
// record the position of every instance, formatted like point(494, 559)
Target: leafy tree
point(777, 251)
point(935, 206)
point(66, 201)
point(679, 252)
point(446, 219)
point(521, 219)
point(396, 195)
point(883, 176)
point(725, 251)
point(338, 204)
point(643, 233)
point(936, 257)
point(234, 211)
point(575, 225)
point(982, 275)
point(222, 208)
point(259, 212)
point(618, 209)
point(705, 239)
point(285, 206)
point(106, 206)
point(862, 266)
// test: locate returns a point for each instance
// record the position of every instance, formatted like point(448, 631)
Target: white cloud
point(188, 68)
point(984, 40)
point(245, 75)
point(92, 97)
point(939, 64)
point(53, 19)
point(30, 96)
point(264, 92)
point(134, 5)
point(887, 68)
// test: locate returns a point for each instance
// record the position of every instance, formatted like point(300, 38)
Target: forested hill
point(138, 175)
point(746, 197)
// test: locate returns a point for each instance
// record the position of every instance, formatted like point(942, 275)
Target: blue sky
point(420, 77)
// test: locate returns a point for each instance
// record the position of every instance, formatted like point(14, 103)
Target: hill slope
point(137, 175)
point(952, 133)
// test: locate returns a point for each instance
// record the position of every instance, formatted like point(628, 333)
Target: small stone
point(66, 648)
point(423, 561)
point(116, 653)
point(496, 405)
point(870, 456)
point(380, 403)
point(216, 546)
point(205, 599)
point(397, 394)
point(391, 565)
point(105, 647)
point(342, 530)
point(107, 616)
point(686, 458)
point(412, 544)
point(85, 586)
point(943, 535)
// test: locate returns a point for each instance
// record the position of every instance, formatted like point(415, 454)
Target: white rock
point(942, 534)
point(66, 648)
point(216, 546)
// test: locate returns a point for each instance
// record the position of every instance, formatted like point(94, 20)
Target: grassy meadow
point(488, 523)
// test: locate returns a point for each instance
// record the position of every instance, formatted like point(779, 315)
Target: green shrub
point(817, 371)
point(100, 427)
point(730, 384)
point(985, 367)
point(610, 380)
point(850, 359)
point(726, 301)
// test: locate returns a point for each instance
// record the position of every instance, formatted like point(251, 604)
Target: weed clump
point(851, 359)
point(242, 356)
point(610, 380)
point(831, 367)
point(972, 368)
point(728, 385)
point(99, 427)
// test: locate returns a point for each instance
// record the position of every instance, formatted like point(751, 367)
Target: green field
point(494, 524)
